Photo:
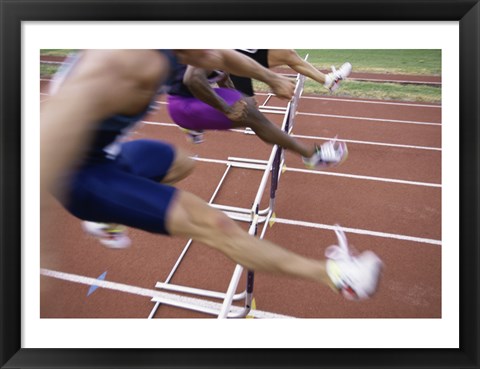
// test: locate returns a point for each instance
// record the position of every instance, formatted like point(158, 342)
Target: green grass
point(381, 91)
point(391, 61)
point(372, 90)
point(414, 61)
point(56, 52)
point(47, 70)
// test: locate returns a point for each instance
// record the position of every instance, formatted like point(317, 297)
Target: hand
point(237, 112)
point(283, 87)
point(226, 82)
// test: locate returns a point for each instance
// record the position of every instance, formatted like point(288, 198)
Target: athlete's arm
point(226, 82)
point(238, 64)
point(197, 82)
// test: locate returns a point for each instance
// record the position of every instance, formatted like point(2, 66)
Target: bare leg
point(181, 168)
point(191, 217)
point(270, 133)
point(278, 57)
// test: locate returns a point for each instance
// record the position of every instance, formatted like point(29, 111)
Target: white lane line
point(320, 138)
point(379, 102)
point(371, 119)
point(344, 117)
point(290, 169)
point(354, 176)
point(360, 79)
point(359, 231)
point(245, 217)
point(160, 124)
point(151, 293)
point(371, 143)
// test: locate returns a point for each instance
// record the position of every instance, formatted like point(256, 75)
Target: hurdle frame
point(253, 215)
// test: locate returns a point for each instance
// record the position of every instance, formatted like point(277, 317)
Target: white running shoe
point(329, 154)
point(355, 276)
point(332, 79)
point(193, 136)
point(110, 235)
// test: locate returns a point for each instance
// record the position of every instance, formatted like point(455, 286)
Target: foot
point(193, 136)
point(110, 235)
point(355, 276)
point(330, 154)
point(332, 79)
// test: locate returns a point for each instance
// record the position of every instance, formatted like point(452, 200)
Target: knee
point(217, 222)
point(182, 167)
point(186, 166)
point(279, 57)
point(290, 57)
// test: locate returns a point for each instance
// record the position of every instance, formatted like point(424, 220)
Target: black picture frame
point(13, 13)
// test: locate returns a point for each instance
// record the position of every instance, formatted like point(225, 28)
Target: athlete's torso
point(109, 131)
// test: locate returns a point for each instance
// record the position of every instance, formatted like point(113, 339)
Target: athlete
point(272, 58)
point(101, 179)
point(195, 105)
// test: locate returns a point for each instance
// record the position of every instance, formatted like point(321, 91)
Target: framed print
point(37, 333)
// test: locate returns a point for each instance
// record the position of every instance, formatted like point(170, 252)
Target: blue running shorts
point(125, 190)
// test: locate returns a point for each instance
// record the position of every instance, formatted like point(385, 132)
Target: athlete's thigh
point(192, 113)
point(106, 193)
point(278, 57)
point(151, 159)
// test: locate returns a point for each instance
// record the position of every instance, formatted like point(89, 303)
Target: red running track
point(387, 195)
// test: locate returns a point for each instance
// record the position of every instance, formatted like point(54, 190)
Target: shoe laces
point(342, 250)
point(329, 152)
point(337, 74)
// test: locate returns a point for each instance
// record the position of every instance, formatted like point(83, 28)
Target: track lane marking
point(379, 102)
point(353, 117)
point(359, 231)
point(121, 287)
point(301, 223)
point(368, 178)
point(370, 143)
point(354, 176)
point(318, 138)
point(371, 119)
point(342, 117)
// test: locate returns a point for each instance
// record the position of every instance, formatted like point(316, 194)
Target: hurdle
point(254, 215)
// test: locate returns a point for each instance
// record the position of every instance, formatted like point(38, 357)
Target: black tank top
point(244, 84)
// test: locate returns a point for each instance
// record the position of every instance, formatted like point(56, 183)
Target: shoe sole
point(99, 235)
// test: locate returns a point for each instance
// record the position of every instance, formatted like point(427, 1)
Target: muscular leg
point(192, 113)
point(270, 133)
point(278, 57)
point(191, 217)
point(181, 168)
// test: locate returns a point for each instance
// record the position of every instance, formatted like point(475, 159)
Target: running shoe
point(332, 79)
point(110, 235)
point(329, 154)
point(193, 136)
point(354, 276)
